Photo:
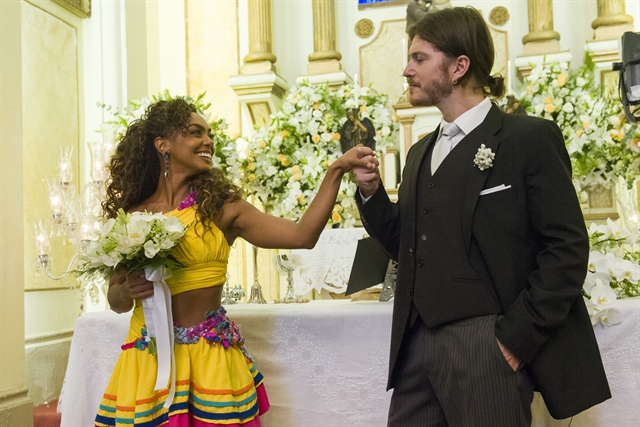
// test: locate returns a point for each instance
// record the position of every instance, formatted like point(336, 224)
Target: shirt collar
point(470, 119)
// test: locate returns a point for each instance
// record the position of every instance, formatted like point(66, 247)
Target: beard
point(433, 91)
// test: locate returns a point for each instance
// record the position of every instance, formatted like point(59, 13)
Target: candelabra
point(389, 284)
point(256, 290)
point(285, 265)
point(75, 218)
point(232, 295)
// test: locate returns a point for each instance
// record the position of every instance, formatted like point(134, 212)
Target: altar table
point(325, 364)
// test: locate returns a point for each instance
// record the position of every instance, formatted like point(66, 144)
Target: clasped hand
point(366, 173)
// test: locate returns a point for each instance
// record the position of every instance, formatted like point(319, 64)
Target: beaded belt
point(216, 329)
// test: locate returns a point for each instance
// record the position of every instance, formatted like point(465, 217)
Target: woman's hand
point(125, 288)
point(358, 157)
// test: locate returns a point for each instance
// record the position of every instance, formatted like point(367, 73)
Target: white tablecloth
point(325, 364)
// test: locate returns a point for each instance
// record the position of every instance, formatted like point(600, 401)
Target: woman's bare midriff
point(189, 308)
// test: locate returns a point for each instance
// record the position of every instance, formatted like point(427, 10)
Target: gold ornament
point(364, 28)
point(499, 16)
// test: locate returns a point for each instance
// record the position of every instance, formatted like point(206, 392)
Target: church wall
point(128, 50)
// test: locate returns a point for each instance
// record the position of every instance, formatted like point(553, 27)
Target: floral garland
point(136, 108)
point(283, 164)
point(599, 139)
point(613, 272)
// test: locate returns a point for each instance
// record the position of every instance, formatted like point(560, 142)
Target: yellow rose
point(548, 100)
point(337, 208)
point(295, 168)
point(285, 162)
point(585, 124)
point(562, 79)
point(315, 138)
point(297, 176)
point(262, 144)
point(302, 200)
point(335, 136)
point(251, 166)
point(549, 108)
point(363, 108)
point(579, 132)
point(252, 177)
point(316, 106)
point(335, 217)
point(284, 134)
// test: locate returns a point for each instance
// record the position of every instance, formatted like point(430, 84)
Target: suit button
point(410, 252)
point(408, 292)
point(423, 237)
point(421, 263)
point(426, 210)
point(431, 185)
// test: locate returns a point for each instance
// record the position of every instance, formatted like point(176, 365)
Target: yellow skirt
point(217, 383)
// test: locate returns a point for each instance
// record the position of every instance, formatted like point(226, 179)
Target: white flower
point(484, 158)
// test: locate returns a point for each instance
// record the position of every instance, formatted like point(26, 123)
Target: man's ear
point(460, 67)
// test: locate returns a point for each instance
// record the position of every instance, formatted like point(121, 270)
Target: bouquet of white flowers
point(131, 242)
point(143, 240)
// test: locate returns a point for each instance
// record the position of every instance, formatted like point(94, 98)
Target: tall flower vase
point(256, 290)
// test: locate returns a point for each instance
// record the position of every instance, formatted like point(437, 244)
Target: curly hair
point(135, 166)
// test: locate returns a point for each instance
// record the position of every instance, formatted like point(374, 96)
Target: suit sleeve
point(380, 218)
point(558, 227)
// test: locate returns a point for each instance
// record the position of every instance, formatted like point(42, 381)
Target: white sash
point(159, 320)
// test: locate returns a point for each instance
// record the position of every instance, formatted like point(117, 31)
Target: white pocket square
point(500, 187)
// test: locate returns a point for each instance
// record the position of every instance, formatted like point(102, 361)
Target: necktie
point(443, 145)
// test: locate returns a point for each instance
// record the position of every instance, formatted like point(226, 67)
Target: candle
point(356, 87)
point(509, 78)
point(42, 240)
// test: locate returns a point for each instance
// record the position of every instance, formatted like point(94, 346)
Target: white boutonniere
point(484, 158)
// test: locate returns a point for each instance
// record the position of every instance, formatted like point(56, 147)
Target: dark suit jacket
point(529, 243)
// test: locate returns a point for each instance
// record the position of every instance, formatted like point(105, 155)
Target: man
point(491, 247)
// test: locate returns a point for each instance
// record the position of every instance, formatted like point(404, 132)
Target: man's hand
point(368, 179)
point(513, 360)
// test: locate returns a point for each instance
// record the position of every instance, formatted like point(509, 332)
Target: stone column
point(16, 408)
point(325, 58)
point(541, 39)
point(612, 20)
point(260, 58)
point(407, 127)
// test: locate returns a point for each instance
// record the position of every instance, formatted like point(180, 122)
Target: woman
point(163, 164)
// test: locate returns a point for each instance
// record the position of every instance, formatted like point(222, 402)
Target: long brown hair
point(462, 31)
point(135, 166)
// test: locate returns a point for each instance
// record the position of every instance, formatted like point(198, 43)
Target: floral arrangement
point(282, 164)
point(135, 109)
point(613, 272)
point(132, 241)
point(600, 141)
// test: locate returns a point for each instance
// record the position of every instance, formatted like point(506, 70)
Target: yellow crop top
point(205, 255)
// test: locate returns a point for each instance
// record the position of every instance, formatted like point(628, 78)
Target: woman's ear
point(161, 144)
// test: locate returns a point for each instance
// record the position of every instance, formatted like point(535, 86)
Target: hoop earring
point(454, 81)
point(166, 164)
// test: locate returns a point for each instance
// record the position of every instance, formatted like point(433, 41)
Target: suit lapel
point(474, 178)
